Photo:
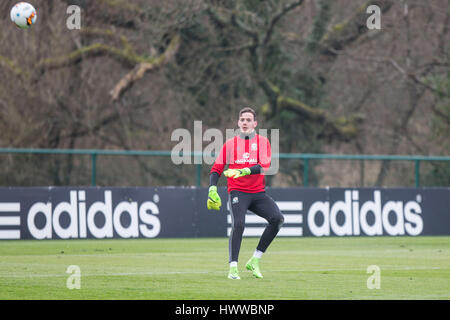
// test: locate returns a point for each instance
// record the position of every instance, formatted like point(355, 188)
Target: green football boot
point(253, 266)
point(233, 274)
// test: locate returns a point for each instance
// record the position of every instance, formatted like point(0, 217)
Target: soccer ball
point(23, 15)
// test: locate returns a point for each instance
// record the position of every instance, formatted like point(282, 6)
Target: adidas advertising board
point(171, 212)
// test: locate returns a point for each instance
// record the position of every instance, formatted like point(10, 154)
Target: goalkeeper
point(248, 155)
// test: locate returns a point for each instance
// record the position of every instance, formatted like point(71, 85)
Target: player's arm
point(265, 154)
point(237, 173)
point(214, 202)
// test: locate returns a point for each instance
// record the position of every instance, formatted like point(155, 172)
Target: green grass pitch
point(179, 269)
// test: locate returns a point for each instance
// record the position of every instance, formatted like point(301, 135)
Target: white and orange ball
point(23, 15)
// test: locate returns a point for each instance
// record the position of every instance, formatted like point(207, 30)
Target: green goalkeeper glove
point(237, 173)
point(214, 202)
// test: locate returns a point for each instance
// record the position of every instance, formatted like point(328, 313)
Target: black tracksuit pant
point(260, 204)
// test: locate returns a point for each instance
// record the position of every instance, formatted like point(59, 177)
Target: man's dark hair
point(248, 109)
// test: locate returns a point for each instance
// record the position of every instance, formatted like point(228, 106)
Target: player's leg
point(265, 207)
point(239, 202)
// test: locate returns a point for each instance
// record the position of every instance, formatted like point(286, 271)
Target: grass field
point(178, 269)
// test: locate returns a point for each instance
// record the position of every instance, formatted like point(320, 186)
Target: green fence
point(305, 157)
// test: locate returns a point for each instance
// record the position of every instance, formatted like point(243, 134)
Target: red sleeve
point(265, 153)
point(221, 160)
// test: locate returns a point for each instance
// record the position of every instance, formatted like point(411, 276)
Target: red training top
point(239, 153)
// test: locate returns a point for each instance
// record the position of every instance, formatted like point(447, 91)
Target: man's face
point(247, 123)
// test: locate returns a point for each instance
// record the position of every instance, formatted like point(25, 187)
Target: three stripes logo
point(9, 220)
point(293, 219)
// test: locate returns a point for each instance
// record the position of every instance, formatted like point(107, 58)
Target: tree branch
point(142, 68)
point(412, 76)
point(351, 29)
point(341, 128)
point(94, 50)
point(277, 17)
point(10, 65)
